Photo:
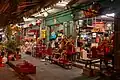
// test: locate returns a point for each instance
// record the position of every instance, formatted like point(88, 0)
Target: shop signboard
point(31, 32)
point(90, 13)
point(43, 33)
point(98, 27)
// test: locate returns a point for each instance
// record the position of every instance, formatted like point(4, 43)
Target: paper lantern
point(38, 22)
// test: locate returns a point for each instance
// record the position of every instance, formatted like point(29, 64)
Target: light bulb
point(45, 14)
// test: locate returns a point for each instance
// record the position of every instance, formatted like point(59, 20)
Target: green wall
point(60, 17)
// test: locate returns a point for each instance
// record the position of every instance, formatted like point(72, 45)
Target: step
point(24, 77)
point(81, 65)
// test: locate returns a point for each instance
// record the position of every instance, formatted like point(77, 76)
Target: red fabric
point(73, 51)
point(70, 50)
point(44, 51)
point(94, 52)
point(39, 50)
point(107, 50)
point(1, 65)
point(63, 61)
point(49, 51)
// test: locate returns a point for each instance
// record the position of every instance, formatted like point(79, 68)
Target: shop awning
point(13, 11)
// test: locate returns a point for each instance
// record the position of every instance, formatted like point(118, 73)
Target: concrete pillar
point(117, 42)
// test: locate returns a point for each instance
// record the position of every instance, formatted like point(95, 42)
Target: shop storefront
point(89, 24)
point(61, 23)
point(32, 29)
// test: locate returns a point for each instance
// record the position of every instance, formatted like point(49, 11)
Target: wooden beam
point(117, 42)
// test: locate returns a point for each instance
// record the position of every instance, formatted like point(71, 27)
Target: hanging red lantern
point(38, 22)
point(30, 25)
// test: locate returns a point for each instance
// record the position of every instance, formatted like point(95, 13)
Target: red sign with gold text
point(98, 27)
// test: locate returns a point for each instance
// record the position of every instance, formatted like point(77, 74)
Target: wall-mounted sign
point(43, 33)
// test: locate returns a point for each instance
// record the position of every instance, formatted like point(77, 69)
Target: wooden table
point(89, 62)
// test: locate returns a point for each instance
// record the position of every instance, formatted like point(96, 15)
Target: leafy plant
point(12, 44)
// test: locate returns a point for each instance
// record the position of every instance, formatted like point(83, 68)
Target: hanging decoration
point(30, 25)
point(98, 27)
point(93, 11)
point(43, 33)
point(38, 22)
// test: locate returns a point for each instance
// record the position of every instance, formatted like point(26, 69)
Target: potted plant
point(12, 44)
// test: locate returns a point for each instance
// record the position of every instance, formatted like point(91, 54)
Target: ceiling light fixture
point(103, 16)
point(110, 15)
point(62, 4)
point(28, 19)
point(45, 14)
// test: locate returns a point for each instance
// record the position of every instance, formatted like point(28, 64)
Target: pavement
point(47, 71)
point(6, 73)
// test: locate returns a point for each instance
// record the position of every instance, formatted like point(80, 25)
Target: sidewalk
point(6, 73)
point(50, 71)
